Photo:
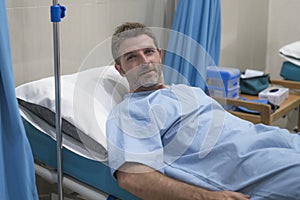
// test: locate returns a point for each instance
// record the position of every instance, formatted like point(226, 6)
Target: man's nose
point(144, 58)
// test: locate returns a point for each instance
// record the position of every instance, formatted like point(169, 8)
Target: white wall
point(253, 31)
point(283, 28)
point(88, 23)
point(244, 33)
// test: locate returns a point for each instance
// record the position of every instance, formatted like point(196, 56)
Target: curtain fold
point(194, 43)
point(16, 161)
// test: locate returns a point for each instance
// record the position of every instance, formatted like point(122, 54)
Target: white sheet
point(86, 100)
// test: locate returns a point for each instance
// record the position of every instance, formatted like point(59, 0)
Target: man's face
point(140, 62)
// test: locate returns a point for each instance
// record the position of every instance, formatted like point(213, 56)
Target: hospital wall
point(87, 24)
point(252, 31)
point(284, 28)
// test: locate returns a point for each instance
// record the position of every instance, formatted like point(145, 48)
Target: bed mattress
point(91, 172)
point(290, 71)
point(86, 100)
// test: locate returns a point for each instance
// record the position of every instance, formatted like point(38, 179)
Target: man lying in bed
point(175, 142)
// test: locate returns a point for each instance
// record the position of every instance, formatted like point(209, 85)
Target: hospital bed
point(86, 100)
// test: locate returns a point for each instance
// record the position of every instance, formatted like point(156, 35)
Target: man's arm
point(146, 183)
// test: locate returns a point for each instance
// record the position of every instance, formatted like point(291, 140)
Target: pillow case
point(86, 100)
point(291, 52)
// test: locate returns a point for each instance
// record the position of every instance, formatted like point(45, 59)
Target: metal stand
point(57, 12)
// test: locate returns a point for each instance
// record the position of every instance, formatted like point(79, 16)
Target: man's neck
point(154, 87)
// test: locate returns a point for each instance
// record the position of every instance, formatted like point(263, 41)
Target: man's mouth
point(146, 72)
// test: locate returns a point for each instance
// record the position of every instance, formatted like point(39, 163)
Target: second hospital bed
point(87, 97)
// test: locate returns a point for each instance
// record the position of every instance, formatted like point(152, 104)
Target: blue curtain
point(16, 161)
point(194, 42)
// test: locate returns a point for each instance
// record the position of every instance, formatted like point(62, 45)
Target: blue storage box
point(223, 77)
point(222, 92)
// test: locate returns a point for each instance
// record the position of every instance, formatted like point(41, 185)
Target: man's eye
point(149, 51)
point(130, 57)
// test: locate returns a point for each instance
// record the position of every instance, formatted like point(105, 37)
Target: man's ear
point(160, 54)
point(119, 69)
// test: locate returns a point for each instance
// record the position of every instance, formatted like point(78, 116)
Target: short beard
point(145, 83)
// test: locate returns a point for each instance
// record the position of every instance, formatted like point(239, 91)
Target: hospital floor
point(48, 191)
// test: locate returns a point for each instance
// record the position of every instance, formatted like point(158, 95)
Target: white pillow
point(291, 52)
point(86, 98)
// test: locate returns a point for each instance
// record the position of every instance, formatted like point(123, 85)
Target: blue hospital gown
point(185, 134)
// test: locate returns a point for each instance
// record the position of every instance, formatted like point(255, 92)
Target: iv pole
point(57, 12)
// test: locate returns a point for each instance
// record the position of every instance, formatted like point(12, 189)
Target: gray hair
point(128, 30)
